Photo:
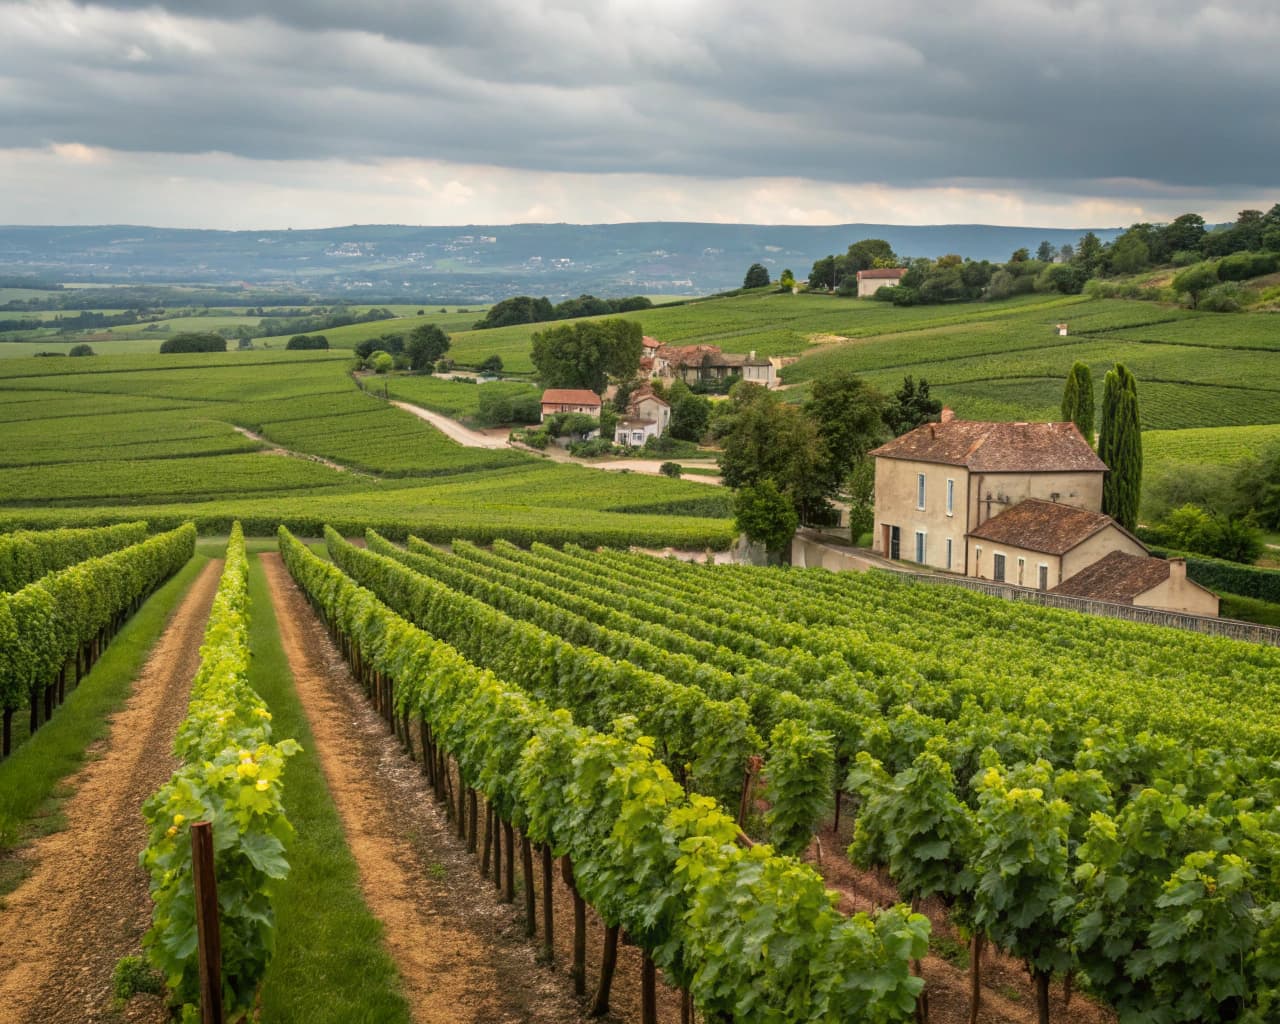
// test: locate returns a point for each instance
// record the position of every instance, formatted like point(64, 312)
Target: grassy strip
point(30, 778)
point(330, 963)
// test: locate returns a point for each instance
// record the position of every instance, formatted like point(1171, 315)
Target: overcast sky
point(1049, 113)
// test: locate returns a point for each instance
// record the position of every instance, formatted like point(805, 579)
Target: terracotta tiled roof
point(687, 355)
point(882, 273)
point(1118, 577)
point(1043, 526)
point(642, 393)
point(569, 396)
point(648, 342)
point(997, 447)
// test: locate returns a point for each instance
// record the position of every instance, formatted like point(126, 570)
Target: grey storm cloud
point(1165, 94)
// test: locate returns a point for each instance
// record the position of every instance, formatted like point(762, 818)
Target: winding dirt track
point(85, 904)
point(459, 953)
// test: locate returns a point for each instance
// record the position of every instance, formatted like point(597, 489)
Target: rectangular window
point(951, 497)
point(997, 567)
point(1022, 566)
point(920, 490)
point(948, 552)
point(920, 546)
point(977, 561)
point(1044, 577)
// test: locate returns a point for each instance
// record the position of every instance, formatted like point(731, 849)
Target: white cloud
point(222, 190)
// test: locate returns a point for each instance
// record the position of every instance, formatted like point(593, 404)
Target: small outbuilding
point(871, 281)
point(1144, 582)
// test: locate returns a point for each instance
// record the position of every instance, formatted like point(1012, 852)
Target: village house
point(647, 416)
point(939, 482)
point(706, 364)
point(558, 400)
point(871, 281)
point(1015, 503)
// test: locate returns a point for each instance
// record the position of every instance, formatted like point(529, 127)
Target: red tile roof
point(997, 447)
point(569, 396)
point(1117, 577)
point(882, 273)
point(1043, 526)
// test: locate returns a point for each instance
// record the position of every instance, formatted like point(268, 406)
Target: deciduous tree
point(426, 344)
point(585, 354)
point(757, 276)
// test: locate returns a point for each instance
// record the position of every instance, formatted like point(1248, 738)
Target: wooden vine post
point(207, 936)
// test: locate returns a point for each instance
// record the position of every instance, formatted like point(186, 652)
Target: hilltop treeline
point(1213, 260)
point(323, 320)
point(524, 309)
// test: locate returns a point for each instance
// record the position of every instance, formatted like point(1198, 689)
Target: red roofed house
point(557, 400)
point(1016, 503)
point(871, 281)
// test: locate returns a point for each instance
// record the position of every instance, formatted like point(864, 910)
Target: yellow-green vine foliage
point(231, 776)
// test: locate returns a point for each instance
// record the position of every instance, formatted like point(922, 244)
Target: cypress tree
point(1077, 400)
point(1120, 447)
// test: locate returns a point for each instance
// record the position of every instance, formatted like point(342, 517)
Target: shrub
point(307, 341)
point(1227, 297)
point(381, 362)
point(491, 366)
point(194, 342)
point(1243, 265)
point(671, 469)
point(80, 350)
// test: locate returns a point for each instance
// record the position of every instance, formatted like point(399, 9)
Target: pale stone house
point(871, 281)
point(647, 416)
point(1018, 503)
point(939, 482)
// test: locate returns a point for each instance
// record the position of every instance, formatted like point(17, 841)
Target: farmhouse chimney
point(1177, 569)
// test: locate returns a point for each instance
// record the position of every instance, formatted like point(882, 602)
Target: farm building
point(871, 281)
point(706, 364)
point(1016, 503)
point(558, 400)
point(1145, 582)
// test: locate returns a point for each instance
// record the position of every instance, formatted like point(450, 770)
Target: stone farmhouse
point(706, 364)
point(871, 281)
point(1017, 503)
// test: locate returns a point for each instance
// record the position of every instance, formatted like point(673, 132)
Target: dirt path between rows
point(454, 430)
point(85, 904)
point(459, 952)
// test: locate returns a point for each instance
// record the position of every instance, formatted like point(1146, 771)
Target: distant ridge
point(483, 262)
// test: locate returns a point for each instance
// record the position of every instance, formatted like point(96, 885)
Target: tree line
point(1214, 258)
point(524, 309)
